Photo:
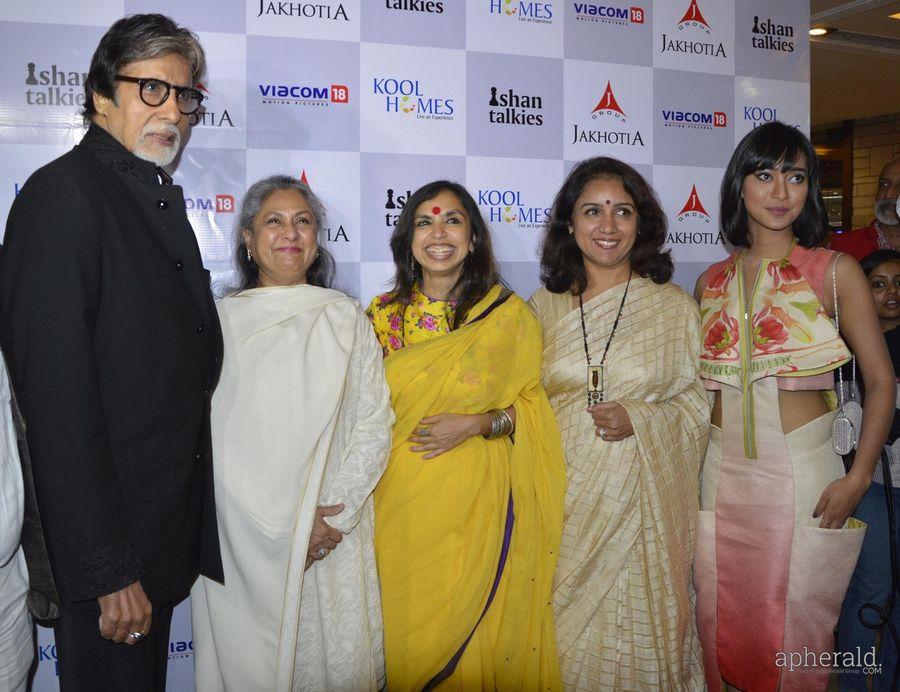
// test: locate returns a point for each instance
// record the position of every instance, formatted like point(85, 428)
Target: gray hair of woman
point(321, 272)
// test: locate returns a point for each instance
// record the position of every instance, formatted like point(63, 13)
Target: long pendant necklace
point(595, 379)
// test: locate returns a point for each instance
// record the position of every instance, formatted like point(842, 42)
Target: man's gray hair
point(132, 39)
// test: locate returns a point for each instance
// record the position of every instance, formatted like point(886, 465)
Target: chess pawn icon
point(390, 200)
point(31, 79)
point(493, 101)
point(756, 24)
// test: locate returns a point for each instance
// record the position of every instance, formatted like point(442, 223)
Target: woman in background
point(468, 520)
point(775, 550)
point(872, 578)
point(620, 368)
point(301, 425)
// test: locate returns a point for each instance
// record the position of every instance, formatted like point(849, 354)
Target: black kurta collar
point(108, 150)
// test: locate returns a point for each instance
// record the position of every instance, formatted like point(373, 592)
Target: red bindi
point(435, 210)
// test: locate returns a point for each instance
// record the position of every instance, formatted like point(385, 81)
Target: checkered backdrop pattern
point(369, 99)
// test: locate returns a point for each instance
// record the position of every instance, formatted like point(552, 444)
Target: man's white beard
point(886, 211)
point(160, 155)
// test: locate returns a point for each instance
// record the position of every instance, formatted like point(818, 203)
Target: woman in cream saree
point(622, 595)
point(466, 540)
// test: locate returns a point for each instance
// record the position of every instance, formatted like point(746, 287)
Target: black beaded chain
point(612, 333)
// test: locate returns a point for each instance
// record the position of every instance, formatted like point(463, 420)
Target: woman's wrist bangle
point(501, 424)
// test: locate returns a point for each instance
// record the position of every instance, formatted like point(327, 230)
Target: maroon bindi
point(608, 202)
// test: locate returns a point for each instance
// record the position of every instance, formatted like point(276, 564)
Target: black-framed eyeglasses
point(154, 92)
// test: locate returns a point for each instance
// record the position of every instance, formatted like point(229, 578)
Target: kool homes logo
point(430, 6)
point(208, 118)
point(607, 14)
point(304, 94)
point(617, 131)
point(409, 97)
point(53, 86)
point(332, 235)
point(523, 10)
point(758, 115)
point(304, 10)
point(510, 108)
point(693, 22)
point(767, 35)
point(507, 206)
point(693, 120)
point(393, 206)
point(693, 212)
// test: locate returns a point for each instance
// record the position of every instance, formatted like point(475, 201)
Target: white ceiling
point(855, 71)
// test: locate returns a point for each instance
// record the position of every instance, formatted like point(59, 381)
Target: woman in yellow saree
point(467, 520)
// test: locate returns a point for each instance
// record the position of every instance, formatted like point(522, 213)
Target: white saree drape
point(301, 417)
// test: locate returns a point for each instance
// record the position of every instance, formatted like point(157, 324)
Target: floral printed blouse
point(422, 319)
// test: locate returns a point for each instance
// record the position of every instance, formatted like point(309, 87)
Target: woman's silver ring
point(135, 636)
point(423, 432)
point(322, 552)
point(602, 433)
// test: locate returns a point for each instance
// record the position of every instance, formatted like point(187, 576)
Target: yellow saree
point(623, 594)
point(440, 524)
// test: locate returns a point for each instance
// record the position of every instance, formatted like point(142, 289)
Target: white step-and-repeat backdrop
point(369, 99)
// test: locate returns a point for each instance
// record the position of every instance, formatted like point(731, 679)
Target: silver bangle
point(501, 424)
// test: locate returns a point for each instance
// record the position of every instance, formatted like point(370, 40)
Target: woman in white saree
point(301, 425)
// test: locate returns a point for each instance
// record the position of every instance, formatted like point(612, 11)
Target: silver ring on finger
point(323, 552)
point(135, 636)
point(602, 433)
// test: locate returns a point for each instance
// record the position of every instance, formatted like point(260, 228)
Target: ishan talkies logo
point(767, 35)
point(304, 10)
point(53, 86)
point(608, 112)
point(692, 23)
point(511, 108)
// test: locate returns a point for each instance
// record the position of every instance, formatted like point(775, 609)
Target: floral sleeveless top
point(783, 331)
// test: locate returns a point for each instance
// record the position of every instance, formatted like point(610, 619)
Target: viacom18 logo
point(693, 22)
point(304, 94)
point(220, 204)
point(207, 118)
point(304, 10)
point(607, 14)
point(608, 112)
point(507, 206)
point(524, 10)
point(693, 120)
point(693, 211)
point(409, 97)
point(53, 86)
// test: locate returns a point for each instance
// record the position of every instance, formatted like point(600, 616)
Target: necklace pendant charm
point(594, 384)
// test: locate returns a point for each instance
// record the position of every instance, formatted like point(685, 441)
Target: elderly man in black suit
point(114, 347)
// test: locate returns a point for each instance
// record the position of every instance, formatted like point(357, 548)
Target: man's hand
point(125, 611)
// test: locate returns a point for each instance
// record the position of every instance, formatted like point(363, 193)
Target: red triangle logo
point(303, 177)
point(608, 102)
point(694, 14)
point(693, 203)
point(202, 87)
